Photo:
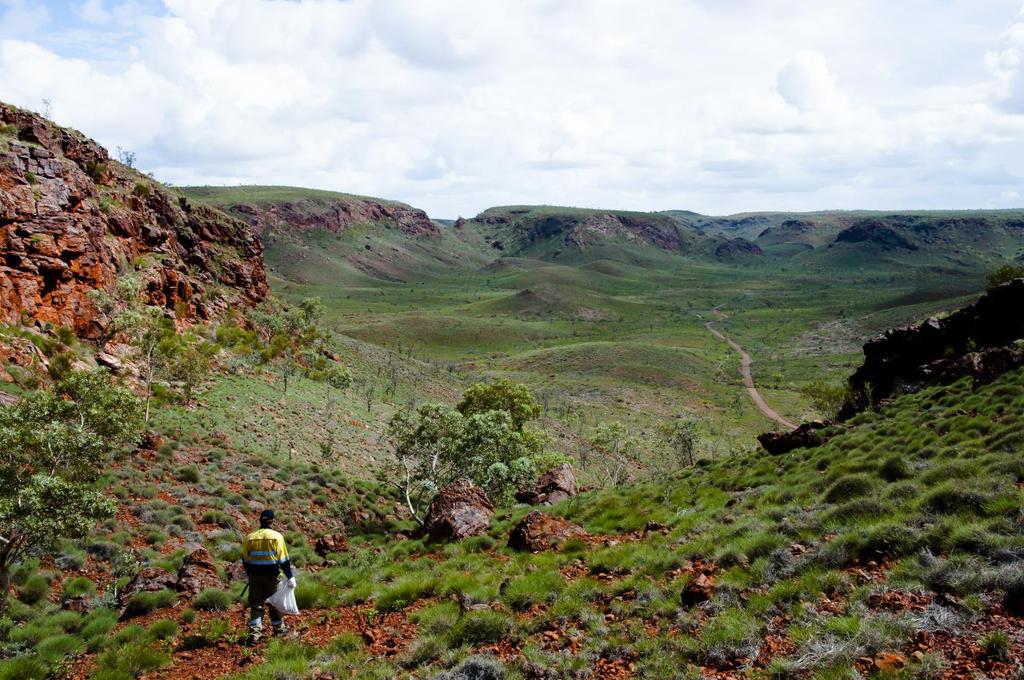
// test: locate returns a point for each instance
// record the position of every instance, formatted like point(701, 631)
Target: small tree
point(501, 395)
point(826, 398)
point(1004, 274)
point(426, 444)
point(618, 448)
point(682, 437)
point(437, 444)
point(126, 157)
point(53, 444)
point(153, 335)
point(189, 360)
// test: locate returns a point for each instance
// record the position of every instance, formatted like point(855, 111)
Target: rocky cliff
point(285, 210)
point(980, 340)
point(73, 220)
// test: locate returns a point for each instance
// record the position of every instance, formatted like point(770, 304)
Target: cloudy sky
point(718, 106)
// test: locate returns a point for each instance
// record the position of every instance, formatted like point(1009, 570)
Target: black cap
point(267, 515)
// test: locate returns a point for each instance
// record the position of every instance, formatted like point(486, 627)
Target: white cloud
point(93, 12)
point(455, 105)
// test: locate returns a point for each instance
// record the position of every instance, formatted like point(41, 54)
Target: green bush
point(96, 626)
point(24, 668)
point(995, 645)
point(894, 469)
point(213, 599)
point(481, 627)
point(145, 603)
point(312, 594)
point(163, 629)
point(189, 474)
point(950, 499)
point(35, 589)
point(56, 648)
point(848, 487)
point(134, 658)
point(526, 591)
point(405, 592)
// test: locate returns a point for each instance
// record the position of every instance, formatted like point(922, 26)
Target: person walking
point(264, 556)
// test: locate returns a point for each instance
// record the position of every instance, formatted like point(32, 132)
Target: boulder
point(459, 510)
point(699, 589)
point(553, 486)
point(197, 573)
point(807, 434)
point(271, 485)
point(149, 580)
point(538, 531)
point(150, 441)
point(332, 543)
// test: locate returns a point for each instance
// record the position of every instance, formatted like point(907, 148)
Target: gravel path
point(748, 379)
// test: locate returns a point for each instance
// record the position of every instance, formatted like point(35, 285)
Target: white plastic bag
point(283, 600)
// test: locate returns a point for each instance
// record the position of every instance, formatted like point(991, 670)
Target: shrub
point(79, 585)
point(145, 603)
point(481, 627)
point(163, 629)
point(213, 599)
point(848, 487)
point(475, 668)
point(730, 635)
point(995, 645)
point(56, 648)
point(187, 615)
point(310, 594)
point(189, 474)
point(96, 626)
point(526, 591)
point(950, 499)
point(346, 643)
point(221, 519)
point(134, 658)
point(887, 540)
point(894, 469)
point(35, 588)
point(404, 592)
point(24, 668)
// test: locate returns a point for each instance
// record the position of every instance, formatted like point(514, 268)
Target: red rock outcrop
point(72, 220)
point(332, 543)
point(459, 510)
point(805, 435)
point(333, 214)
point(537, 531)
point(977, 341)
point(553, 486)
point(197, 573)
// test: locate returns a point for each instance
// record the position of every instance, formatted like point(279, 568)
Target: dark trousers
point(262, 586)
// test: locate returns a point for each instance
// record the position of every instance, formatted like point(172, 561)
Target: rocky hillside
point(73, 220)
point(291, 210)
point(960, 237)
point(981, 340)
point(525, 226)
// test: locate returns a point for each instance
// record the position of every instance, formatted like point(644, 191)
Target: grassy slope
point(821, 558)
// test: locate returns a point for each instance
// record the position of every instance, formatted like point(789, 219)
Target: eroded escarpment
point(73, 220)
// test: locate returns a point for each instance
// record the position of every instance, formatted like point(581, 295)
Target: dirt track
point(748, 378)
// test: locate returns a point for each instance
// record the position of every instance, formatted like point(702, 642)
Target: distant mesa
point(875, 232)
point(737, 250)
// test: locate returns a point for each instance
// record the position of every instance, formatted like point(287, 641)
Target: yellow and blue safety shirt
point(264, 552)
